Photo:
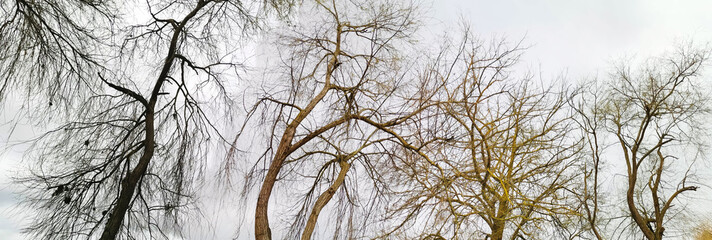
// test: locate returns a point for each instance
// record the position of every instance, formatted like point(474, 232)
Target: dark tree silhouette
point(138, 95)
point(51, 50)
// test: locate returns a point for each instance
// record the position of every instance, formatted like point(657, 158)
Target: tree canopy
point(338, 119)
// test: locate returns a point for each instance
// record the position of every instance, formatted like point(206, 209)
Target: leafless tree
point(363, 126)
point(343, 104)
point(589, 124)
point(50, 50)
point(654, 117)
point(501, 162)
point(126, 161)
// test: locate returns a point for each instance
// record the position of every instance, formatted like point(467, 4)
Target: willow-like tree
point(125, 159)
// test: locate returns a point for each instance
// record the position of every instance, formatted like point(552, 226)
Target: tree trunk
point(262, 230)
point(324, 198)
point(640, 221)
point(497, 230)
point(129, 183)
point(500, 220)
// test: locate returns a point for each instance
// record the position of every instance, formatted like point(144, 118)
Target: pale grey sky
point(579, 38)
point(582, 37)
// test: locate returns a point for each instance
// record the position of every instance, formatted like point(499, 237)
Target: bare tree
point(504, 156)
point(51, 50)
point(345, 96)
point(126, 162)
point(653, 115)
point(356, 132)
point(589, 123)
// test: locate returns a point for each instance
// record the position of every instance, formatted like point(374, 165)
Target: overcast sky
point(582, 37)
point(578, 38)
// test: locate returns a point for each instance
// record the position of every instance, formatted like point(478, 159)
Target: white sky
point(579, 38)
point(582, 37)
